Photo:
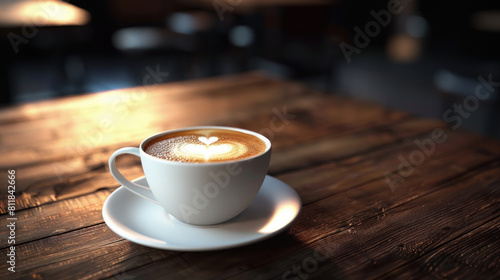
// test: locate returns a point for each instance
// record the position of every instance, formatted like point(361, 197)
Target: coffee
point(203, 175)
point(205, 146)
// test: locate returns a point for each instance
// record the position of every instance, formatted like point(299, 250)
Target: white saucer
point(275, 208)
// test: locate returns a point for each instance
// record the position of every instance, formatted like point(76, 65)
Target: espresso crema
point(205, 146)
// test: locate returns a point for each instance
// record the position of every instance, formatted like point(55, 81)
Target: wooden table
point(439, 218)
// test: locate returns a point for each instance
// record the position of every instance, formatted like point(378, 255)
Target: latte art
point(206, 146)
point(214, 149)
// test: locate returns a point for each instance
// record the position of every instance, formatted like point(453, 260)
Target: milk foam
point(207, 148)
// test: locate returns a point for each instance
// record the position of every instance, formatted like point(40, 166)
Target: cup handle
point(142, 191)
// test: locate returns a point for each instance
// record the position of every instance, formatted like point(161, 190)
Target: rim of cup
point(245, 131)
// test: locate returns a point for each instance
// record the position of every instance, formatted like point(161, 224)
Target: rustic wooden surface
point(441, 222)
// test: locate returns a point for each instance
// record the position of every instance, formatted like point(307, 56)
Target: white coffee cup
point(198, 193)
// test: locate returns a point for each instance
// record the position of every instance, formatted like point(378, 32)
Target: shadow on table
point(286, 257)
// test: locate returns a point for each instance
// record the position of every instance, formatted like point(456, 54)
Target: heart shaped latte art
point(201, 151)
point(208, 141)
point(209, 148)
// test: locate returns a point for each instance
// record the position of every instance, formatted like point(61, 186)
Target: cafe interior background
point(423, 57)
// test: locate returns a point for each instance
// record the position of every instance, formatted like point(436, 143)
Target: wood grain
point(59, 180)
point(441, 220)
point(45, 181)
point(354, 206)
point(368, 248)
point(311, 183)
point(467, 256)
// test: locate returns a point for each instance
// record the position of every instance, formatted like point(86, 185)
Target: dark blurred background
point(423, 57)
